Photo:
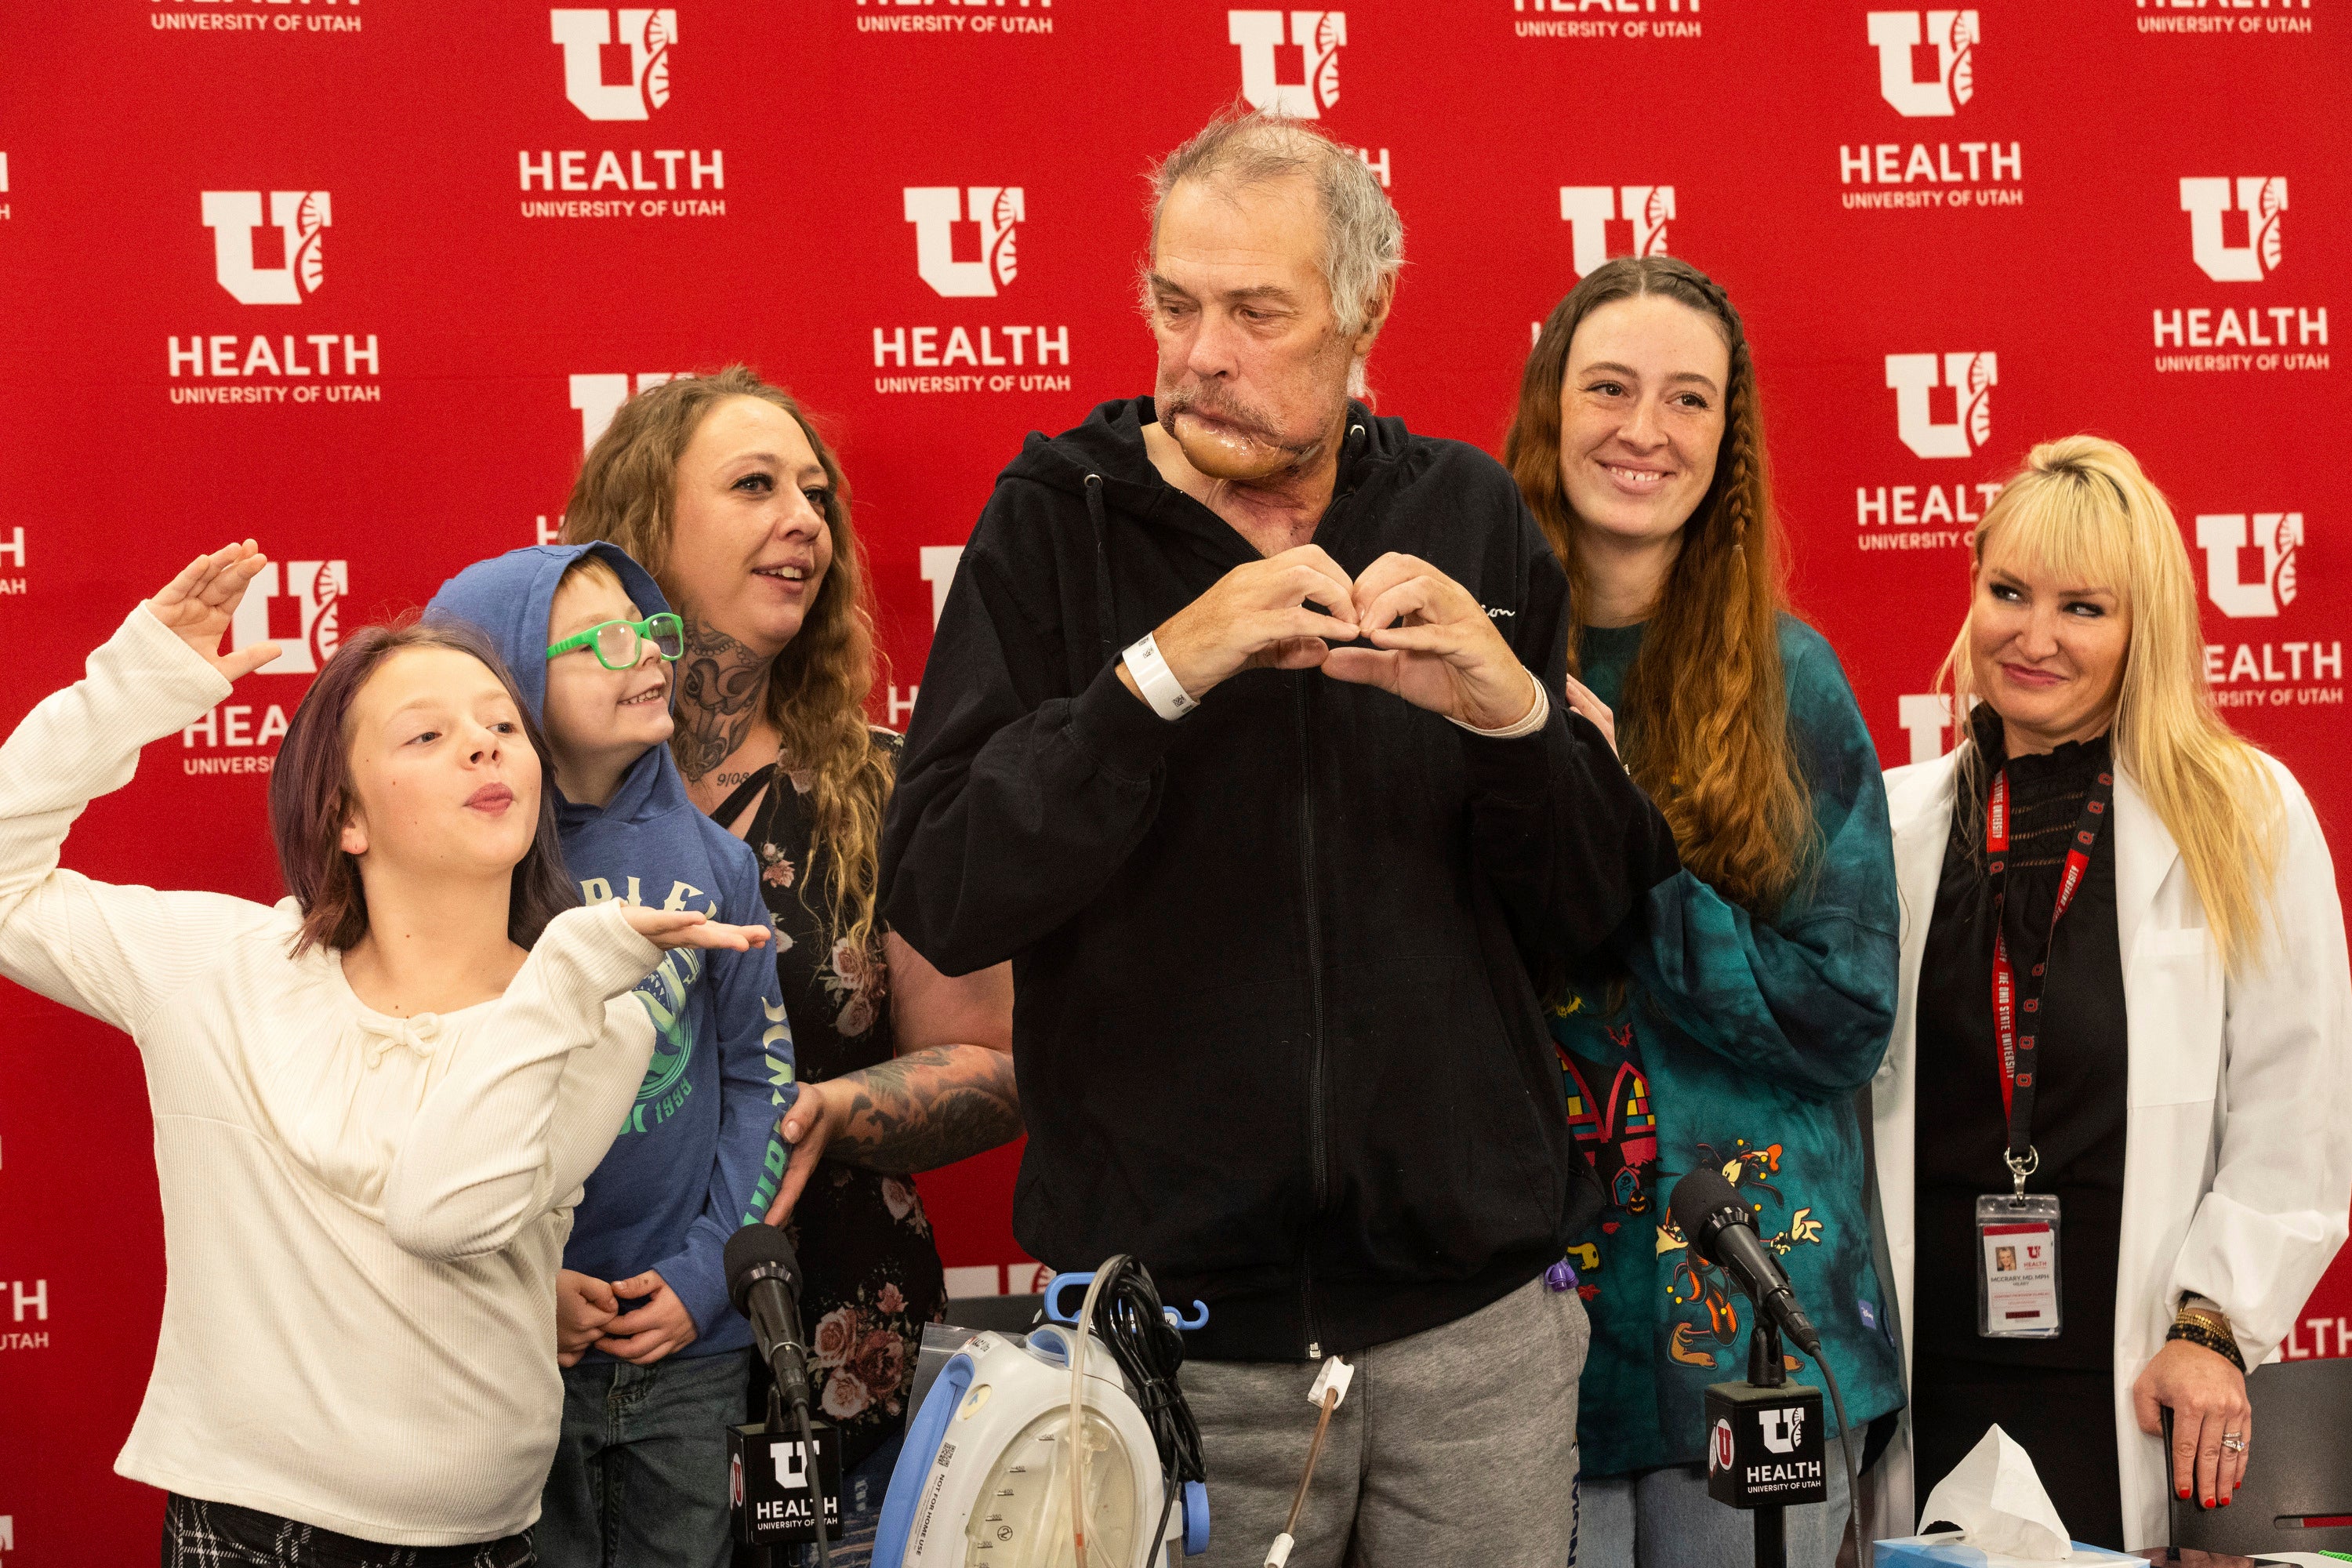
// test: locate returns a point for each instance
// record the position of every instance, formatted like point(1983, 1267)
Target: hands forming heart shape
point(1433, 643)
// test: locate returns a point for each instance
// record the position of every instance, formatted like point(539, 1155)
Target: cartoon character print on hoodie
point(699, 1156)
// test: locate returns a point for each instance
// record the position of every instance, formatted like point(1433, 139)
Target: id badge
point(2017, 1266)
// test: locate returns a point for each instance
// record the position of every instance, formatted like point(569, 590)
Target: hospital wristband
point(1156, 680)
point(1527, 725)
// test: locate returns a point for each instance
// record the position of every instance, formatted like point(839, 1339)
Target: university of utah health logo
point(935, 210)
point(2259, 199)
point(1318, 36)
point(1968, 377)
point(297, 605)
point(1589, 210)
point(597, 78)
point(295, 268)
point(2223, 536)
point(293, 603)
point(1926, 60)
point(1943, 409)
point(2234, 237)
point(985, 351)
point(2252, 575)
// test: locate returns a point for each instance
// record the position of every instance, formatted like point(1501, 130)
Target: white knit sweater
point(362, 1216)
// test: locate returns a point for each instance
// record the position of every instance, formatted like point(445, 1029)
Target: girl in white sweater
point(375, 1102)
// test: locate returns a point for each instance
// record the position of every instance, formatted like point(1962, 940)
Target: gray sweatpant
point(1456, 1445)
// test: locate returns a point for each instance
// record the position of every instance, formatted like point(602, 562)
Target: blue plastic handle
point(914, 1465)
point(1069, 1316)
point(1196, 1518)
point(1054, 1289)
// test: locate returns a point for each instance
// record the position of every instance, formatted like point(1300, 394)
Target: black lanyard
point(2017, 1008)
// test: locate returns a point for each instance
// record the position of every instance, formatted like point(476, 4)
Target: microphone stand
point(780, 1376)
point(1767, 1368)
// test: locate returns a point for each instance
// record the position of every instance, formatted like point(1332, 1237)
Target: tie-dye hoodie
point(1740, 1044)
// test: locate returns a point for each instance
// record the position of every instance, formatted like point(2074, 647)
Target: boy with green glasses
point(655, 1358)
point(620, 644)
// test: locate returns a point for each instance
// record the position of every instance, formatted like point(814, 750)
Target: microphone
point(763, 1280)
point(1721, 1229)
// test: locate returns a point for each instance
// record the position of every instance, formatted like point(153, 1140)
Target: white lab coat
point(2238, 1139)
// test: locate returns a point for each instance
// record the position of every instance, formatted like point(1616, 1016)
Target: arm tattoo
point(718, 696)
point(929, 1108)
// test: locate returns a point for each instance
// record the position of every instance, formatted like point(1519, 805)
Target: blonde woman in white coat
point(2193, 1040)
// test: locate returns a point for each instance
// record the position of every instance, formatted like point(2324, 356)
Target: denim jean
point(1664, 1519)
point(640, 1473)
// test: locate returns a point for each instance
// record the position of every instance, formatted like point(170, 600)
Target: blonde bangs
point(2082, 513)
point(2059, 525)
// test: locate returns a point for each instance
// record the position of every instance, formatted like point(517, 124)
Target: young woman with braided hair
point(1735, 1014)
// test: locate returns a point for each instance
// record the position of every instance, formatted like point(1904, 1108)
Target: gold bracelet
point(2213, 1318)
point(2199, 1334)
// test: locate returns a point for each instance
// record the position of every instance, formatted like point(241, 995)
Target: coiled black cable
point(1150, 1350)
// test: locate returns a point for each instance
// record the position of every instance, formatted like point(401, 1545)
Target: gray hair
point(1364, 238)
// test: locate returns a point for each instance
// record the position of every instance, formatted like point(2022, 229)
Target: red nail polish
point(2225, 1502)
point(2207, 1503)
point(2184, 1491)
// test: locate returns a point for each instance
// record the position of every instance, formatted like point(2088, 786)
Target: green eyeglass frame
point(618, 645)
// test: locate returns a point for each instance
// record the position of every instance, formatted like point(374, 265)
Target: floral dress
point(873, 1272)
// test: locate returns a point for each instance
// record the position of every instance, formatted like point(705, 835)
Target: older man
point(1240, 740)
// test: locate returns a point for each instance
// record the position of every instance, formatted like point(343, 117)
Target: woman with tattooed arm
point(724, 491)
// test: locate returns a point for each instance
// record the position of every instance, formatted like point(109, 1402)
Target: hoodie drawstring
point(1105, 609)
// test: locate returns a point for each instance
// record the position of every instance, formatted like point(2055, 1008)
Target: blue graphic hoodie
point(699, 1156)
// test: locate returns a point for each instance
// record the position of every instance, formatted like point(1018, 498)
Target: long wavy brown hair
point(818, 685)
point(1704, 719)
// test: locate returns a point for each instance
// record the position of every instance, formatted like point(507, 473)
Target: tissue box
point(1946, 1550)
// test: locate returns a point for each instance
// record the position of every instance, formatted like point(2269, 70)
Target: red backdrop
point(358, 278)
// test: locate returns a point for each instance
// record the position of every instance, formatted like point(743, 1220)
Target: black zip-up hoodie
point(1274, 1019)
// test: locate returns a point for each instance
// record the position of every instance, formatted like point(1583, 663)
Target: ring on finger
point(2234, 1442)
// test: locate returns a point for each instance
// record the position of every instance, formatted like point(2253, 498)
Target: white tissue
point(1996, 1500)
